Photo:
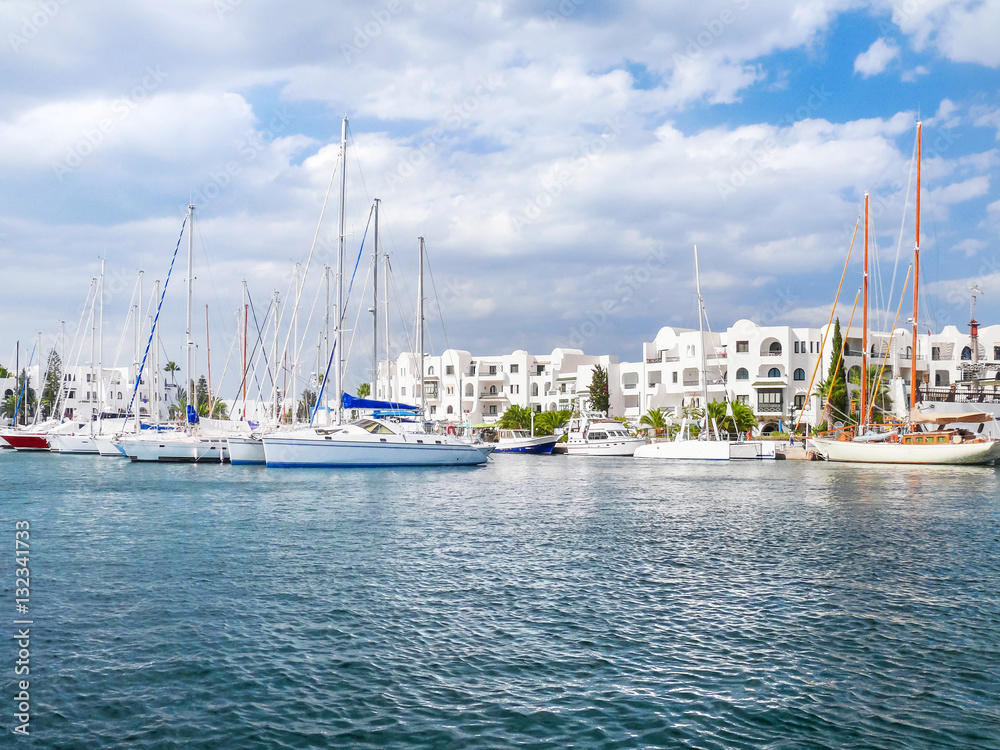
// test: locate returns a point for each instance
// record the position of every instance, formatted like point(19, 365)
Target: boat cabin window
point(597, 435)
point(375, 428)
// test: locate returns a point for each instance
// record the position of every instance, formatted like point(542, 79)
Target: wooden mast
point(916, 285)
point(864, 333)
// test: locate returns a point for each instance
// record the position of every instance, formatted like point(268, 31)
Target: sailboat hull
point(178, 450)
point(246, 451)
point(705, 450)
point(290, 452)
point(985, 452)
point(81, 444)
point(27, 441)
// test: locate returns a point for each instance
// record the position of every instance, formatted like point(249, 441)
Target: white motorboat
point(176, 447)
point(596, 435)
point(522, 441)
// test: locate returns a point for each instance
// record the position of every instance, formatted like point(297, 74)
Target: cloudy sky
point(560, 158)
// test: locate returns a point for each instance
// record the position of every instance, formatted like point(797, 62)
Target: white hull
point(898, 453)
point(626, 447)
point(309, 448)
point(246, 450)
point(73, 444)
point(109, 447)
point(705, 450)
point(176, 449)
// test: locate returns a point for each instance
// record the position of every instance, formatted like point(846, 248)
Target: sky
point(561, 159)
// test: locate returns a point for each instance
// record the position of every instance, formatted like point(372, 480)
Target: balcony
point(493, 396)
point(770, 408)
point(692, 383)
point(630, 386)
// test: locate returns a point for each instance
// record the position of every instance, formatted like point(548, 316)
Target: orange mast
point(916, 284)
point(864, 333)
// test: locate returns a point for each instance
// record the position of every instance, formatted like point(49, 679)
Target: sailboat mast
point(864, 333)
point(916, 284)
point(420, 322)
point(388, 355)
point(338, 375)
point(375, 307)
point(701, 337)
point(100, 357)
point(189, 364)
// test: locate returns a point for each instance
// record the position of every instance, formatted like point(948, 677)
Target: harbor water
point(543, 602)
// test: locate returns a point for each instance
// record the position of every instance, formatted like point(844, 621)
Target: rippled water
point(548, 602)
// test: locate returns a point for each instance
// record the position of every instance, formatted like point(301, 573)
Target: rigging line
point(888, 349)
point(211, 279)
point(128, 317)
point(829, 323)
point(399, 310)
point(152, 330)
point(354, 331)
point(840, 359)
point(902, 225)
point(24, 384)
point(354, 151)
point(437, 300)
point(74, 359)
point(258, 343)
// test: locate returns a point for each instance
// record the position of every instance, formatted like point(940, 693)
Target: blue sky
point(559, 158)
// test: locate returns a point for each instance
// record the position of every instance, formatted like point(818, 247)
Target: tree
point(27, 405)
point(656, 419)
point(53, 384)
point(364, 390)
point(516, 418)
point(305, 405)
point(834, 389)
point(878, 393)
point(598, 392)
point(4, 372)
point(201, 397)
point(171, 368)
point(548, 422)
point(178, 409)
point(739, 423)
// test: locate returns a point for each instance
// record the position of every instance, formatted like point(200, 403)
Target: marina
point(533, 601)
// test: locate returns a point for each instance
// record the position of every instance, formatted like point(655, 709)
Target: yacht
point(594, 434)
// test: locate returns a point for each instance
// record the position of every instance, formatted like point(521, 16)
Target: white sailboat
point(366, 442)
point(930, 436)
point(710, 444)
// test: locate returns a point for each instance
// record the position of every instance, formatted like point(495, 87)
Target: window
point(513, 369)
point(493, 390)
point(451, 409)
point(493, 369)
point(434, 409)
point(810, 347)
point(769, 397)
point(967, 353)
point(996, 352)
point(430, 370)
point(451, 390)
point(774, 372)
point(449, 369)
point(742, 347)
point(935, 352)
point(493, 409)
point(675, 377)
point(802, 345)
point(800, 401)
point(742, 374)
point(774, 348)
point(541, 369)
point(402, 391)
point(799, 374)
point(742, 399)
point(796, 347)
point(534, 389)
point(468, 389)
point(472, 369)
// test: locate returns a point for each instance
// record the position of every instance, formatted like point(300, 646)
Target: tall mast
point(864, 333)
point(100, 356)
point(151, 385)
point(274, 361)
point(138, 332)
point(916, 284)
point(388, 355)
point(189, 364)
point(420, 323)
point(701, 337)
point(324, 348)
point(375, 307)
point(338, 376)
point(93, 352)
point(246, 363)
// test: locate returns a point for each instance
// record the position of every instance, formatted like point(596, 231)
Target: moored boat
point(596, 435)
point(522, 441)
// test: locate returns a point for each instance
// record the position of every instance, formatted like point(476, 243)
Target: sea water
point(538, 601)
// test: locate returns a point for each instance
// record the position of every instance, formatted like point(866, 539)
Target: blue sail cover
point(353, 402)
point(192, 415)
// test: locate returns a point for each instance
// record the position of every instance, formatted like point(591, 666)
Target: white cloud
point(960, 30)
point(876, 58)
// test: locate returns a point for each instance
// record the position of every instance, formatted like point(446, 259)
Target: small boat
point(178, 447)
point(246, 450)
point(522, 441)
point(596, 435)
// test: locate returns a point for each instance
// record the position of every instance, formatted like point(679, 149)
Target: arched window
point(742, 374)
point(909, 352)
point(774, 372)
point(775, 348)
point(468, 389)
point(799, 374)
point(451, 410)
point(534, 389)
point(493, 390)
point(430, 370)
point(967, 353)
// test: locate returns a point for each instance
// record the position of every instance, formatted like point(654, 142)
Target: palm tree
point(364, 390)
point(515, 418)
point(171, 368)
point(879, 401)
point(548, 422)
point(739, 423)
point(656, 419)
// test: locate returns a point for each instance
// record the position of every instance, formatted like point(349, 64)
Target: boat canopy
point(942, 418)
point(353, 402)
